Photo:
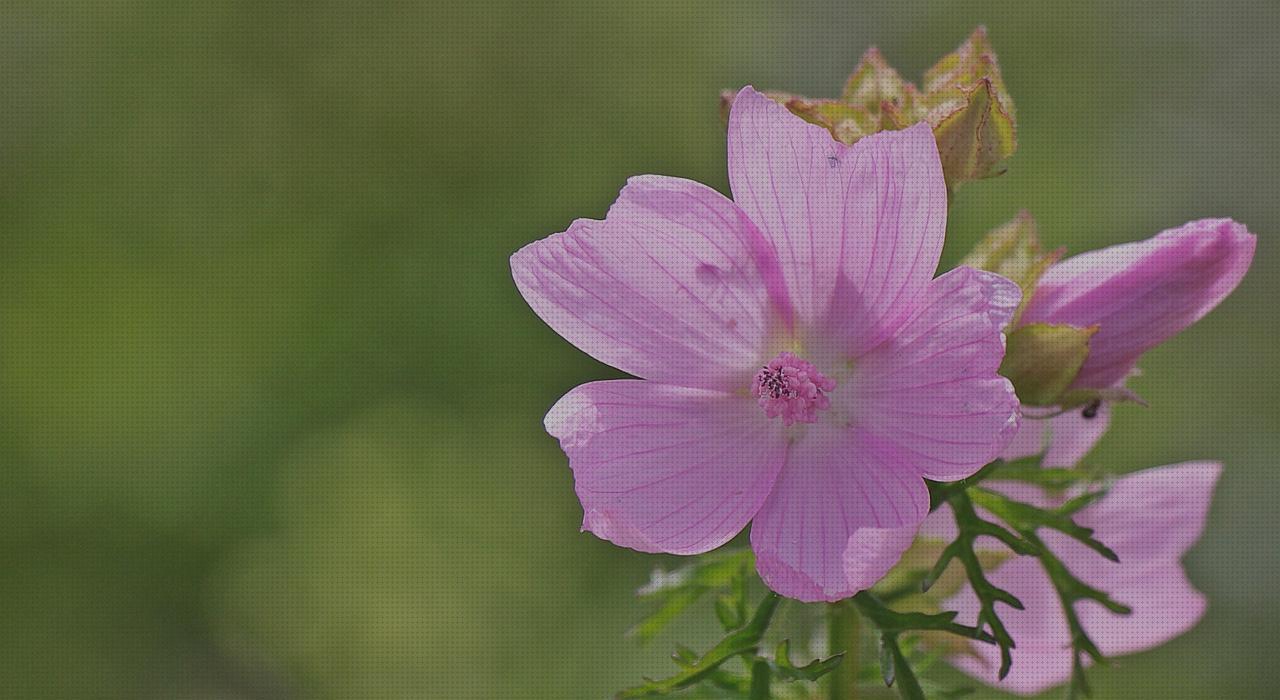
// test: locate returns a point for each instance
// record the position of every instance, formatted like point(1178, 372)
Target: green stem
point(845, 634)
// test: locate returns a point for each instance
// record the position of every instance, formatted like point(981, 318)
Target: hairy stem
point(844, 626)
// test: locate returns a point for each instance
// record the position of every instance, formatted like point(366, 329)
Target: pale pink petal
point(1064, 439)
point(1149, 518)
point(660, 468)
point(843, 510)
point(1140, 294)
point(867, 218)
point(933, 389)
point(1073, 435)
point(1031, 439)
point(673, 286)
point(1164, 603)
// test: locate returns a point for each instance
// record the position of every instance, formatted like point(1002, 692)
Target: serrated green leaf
point(970, 526)
point(1071, 590)
point(1042, 360)
point(890, 620)
point(1025, 516)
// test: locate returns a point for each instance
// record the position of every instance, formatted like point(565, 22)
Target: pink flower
point(1150, 519)
point(799, 366)
point(1138, 295)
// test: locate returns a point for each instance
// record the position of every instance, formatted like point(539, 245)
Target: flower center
point(792, 388)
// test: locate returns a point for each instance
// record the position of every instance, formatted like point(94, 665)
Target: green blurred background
point(270, 406)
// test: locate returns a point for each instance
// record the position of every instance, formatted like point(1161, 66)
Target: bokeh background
point(270, 406)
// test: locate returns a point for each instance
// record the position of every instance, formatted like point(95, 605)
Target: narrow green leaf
point(727, 613)
point(676, 590)
point(683, 656)
point(887, 671)
point(675, 603)
point(785, 670)
point(742, 641)
point(908, 685)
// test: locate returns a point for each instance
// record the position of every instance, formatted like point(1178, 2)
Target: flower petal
point(1149, 518)
point(1164, 605)
point(933, 389)
point(669, 287)
point(1140, 294)
point(660, 468)
point(868, 217)
point(844, 509)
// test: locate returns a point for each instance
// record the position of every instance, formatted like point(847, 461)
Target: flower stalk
point(844, 632)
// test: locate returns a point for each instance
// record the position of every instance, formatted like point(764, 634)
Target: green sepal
point(1042, 361)
point(846, 122)
point(975, 137)
point(874, 82)
point(972, 114)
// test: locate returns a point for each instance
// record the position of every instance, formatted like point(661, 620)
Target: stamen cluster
point(792, 388)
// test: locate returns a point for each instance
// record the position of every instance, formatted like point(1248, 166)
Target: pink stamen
point(792, 388)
